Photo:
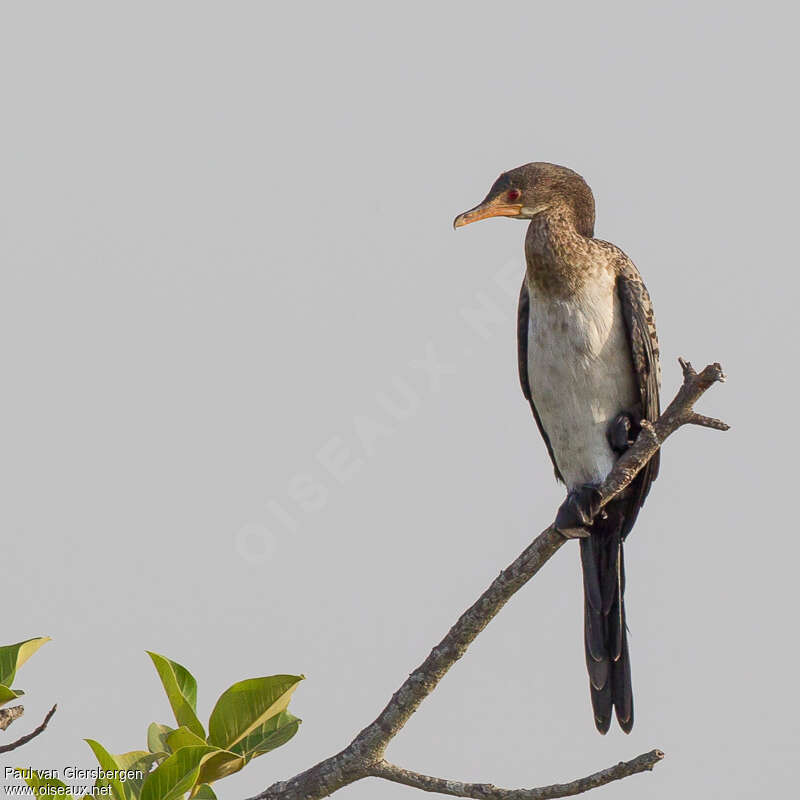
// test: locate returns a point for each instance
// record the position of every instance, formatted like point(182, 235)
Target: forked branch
point(363, 757)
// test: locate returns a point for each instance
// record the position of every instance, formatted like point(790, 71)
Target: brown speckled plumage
point(560, 260)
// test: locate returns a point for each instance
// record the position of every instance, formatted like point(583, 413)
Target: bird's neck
point(556, 254)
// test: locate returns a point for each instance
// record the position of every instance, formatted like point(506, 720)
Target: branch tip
point(488, 791)
point(712, 374)
point(686, 366)
point(708, 422)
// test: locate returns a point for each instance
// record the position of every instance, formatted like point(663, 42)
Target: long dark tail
point(605, 635)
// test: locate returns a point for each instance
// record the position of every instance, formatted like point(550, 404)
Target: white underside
point(581, 376)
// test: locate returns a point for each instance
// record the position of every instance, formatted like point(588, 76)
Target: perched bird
point(589, 367)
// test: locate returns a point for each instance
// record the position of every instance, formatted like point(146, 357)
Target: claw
point(622, 432)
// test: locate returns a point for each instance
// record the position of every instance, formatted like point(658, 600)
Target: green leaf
point(183, 737)
point(7, 694)
point(13, 656)
point(220, 765)
point(176, 775)
point(273, 733)
point(205, 792)
point(108, 762)
point(181, 689)
point(247, 705)
point(249, 714)
point(157, 738)
point(41, 785)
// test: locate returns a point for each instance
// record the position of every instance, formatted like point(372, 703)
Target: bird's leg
point(578, 511)
point(622, 431)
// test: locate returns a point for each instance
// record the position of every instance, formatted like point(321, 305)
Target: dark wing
point(523, 314)
point(637, 311)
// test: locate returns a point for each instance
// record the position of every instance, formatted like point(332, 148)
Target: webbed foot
point(578, 511)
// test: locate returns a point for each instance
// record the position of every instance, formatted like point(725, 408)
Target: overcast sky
point(260, 409)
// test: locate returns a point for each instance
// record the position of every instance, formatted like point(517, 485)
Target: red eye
point(513, 194)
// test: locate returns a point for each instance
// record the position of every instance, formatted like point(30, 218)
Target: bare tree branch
point(7, 748)
point(709, 422)
point(487, 791)
point(362, 756)
point(8, 715)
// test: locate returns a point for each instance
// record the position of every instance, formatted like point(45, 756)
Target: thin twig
point(359, 759)
point(487, 791)
point(32, 735)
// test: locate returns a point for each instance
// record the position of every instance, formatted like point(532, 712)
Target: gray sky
point(227, 258)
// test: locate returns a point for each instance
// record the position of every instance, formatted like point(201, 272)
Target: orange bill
point(496, 207)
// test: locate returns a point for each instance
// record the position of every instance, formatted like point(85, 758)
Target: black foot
point(622, 432)
point(578, 511)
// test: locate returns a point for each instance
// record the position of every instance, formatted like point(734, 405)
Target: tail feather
point(594, 627)
point(605, 635)
point(610, 575)
point(621, 688)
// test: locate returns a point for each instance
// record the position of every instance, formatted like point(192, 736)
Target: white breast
point(581, 376)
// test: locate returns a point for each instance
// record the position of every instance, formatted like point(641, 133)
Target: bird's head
point(533, 189)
